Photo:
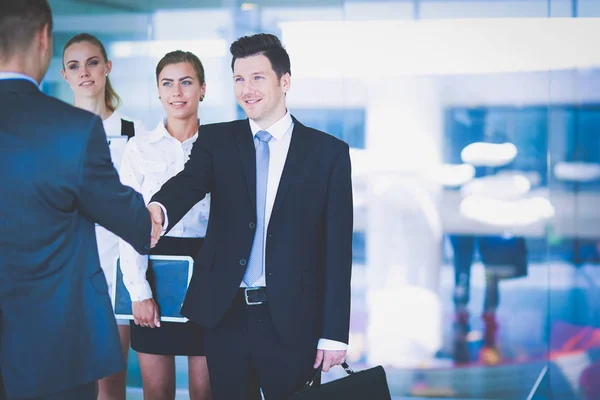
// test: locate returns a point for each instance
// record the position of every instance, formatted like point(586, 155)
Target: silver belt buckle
point(250, 303)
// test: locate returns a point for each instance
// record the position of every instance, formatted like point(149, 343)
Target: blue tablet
point(169, 278)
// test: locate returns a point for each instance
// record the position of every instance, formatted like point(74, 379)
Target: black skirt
point(172, 338)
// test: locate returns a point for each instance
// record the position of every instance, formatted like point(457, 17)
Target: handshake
point(158, 219)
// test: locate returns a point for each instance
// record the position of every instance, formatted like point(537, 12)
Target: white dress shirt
point(108, 242)
point(149, 161)
point(281, 131)
point(112, 127)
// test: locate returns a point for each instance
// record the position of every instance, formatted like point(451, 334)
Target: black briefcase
point(368, 384)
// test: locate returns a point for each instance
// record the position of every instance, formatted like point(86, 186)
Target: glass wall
point(474, 128)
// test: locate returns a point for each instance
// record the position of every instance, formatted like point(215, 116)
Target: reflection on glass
point(475, 149)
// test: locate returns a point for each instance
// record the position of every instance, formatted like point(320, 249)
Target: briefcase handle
point(310, 383)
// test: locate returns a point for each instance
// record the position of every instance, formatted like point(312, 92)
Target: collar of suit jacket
point(18, 84)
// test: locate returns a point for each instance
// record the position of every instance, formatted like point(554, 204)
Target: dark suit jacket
point(57, 329)
point(309, 236)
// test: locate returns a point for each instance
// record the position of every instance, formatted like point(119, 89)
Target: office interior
point(474, 128)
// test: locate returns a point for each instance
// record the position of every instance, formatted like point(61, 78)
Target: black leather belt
point(254, 295)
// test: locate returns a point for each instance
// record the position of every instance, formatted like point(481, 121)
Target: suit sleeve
point(103, 199)
point(180, 193)
point(338, 250)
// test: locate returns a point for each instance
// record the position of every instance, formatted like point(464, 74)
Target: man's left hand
point(329, 358)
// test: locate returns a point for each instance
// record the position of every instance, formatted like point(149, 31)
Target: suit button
point(242, 262)
point(147, 247)
point(252, 225)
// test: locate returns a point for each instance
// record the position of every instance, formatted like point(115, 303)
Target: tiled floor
point(136, 394)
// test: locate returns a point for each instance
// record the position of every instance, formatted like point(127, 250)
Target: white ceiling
point(70, 7)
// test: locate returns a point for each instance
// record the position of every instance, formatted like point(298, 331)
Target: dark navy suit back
point(57, 329)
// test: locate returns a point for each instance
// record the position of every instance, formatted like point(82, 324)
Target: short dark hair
point(20, 20)
point(265, 44)
point(179, 56)
point(111, 98)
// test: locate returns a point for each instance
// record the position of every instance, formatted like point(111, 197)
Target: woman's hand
point(146, 314)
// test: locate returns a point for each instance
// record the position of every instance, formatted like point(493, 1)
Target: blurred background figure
point(503, 258)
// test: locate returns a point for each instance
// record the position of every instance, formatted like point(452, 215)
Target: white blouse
point(108, 242)
point(149, 161)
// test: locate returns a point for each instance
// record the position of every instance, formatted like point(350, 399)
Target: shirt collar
point(17, 75)
point(277, 130)
point(161, 132)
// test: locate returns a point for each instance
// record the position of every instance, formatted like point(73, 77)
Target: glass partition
point(473, 128)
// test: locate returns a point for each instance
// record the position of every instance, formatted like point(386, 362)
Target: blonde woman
point(86, 68)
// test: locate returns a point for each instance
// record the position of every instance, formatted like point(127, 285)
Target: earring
point(202, 98)
point(159, 97)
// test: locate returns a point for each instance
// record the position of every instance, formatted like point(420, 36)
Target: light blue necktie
point(257, 257)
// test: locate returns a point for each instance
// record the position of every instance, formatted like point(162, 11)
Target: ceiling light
point(489, 154)
point(248, 6)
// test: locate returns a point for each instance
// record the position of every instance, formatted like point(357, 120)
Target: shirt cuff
point(164, 210)
point(140, 291)
point(327, 344)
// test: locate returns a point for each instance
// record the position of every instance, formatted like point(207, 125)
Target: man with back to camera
point(272, 281)
point(57, 180)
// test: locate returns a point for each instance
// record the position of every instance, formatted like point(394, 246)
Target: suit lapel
point(299, 147)
point(245, 145)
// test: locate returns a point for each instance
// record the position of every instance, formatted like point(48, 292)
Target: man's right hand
point(158, 220)
point(146, 314)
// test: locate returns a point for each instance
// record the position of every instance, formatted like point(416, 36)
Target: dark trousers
point(88, 391)
point(245, 354)
point(464, 248)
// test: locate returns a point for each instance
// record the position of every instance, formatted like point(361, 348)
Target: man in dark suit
point(272, 280)
point(57, 331)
